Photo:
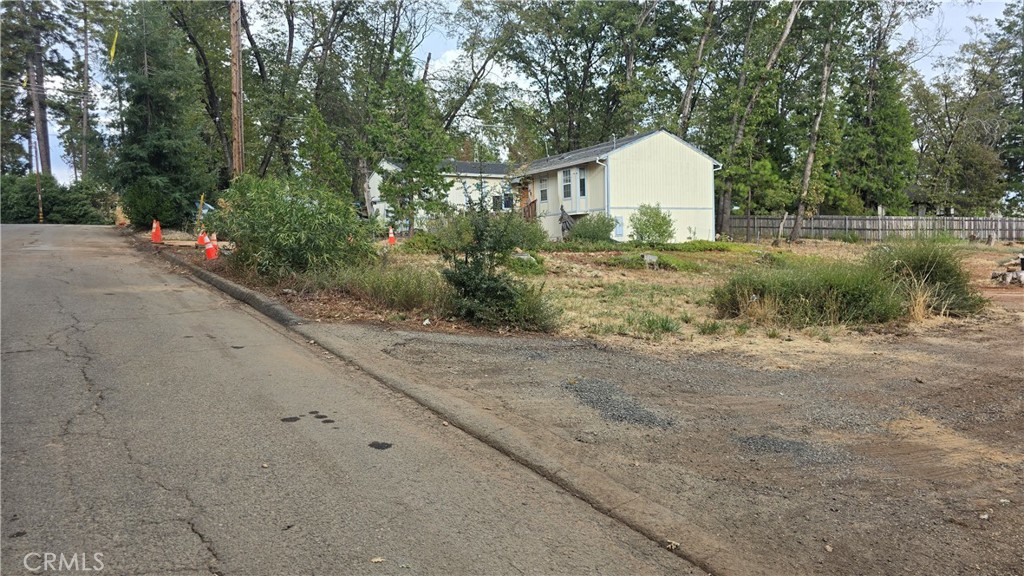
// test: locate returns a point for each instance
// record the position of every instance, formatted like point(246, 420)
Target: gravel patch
point(804, 452)
point(613, 403)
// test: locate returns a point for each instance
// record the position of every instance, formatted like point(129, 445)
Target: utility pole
point(85, 92)
point(238, 143)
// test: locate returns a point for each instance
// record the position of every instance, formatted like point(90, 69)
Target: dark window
point(583, 183)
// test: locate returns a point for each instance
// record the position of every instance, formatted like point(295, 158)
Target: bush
point(421, 243)
point(651, 225)
point(593, 228)
point(931, 271)
point(84, 202)
point(19, 203)
point(474, 244)
point(281, 229)
point(810, 294)
point(532, 266)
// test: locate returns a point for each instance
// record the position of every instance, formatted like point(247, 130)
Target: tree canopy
point(812, 107)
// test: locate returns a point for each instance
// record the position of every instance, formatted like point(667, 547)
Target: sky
point(943, 33)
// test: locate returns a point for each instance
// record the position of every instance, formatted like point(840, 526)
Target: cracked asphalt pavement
point(154, 422)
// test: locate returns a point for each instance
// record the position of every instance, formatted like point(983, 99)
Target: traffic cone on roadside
point(391, 236)
point(211, 248)
point(201, 241)
point(155, 235)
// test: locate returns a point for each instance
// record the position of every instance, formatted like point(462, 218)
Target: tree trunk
point(211, 99)
point(38, 93)
point(85, 89)
point(686, 107)
point(726, 207)
point(805, 182)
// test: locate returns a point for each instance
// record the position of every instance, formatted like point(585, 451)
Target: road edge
point(659, 524)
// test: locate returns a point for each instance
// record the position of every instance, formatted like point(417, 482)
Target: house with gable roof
point(466, 181)
point(618, 176)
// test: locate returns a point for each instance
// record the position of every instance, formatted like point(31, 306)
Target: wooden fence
point(875, 228)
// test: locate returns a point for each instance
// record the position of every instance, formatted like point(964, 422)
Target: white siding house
point(616, 177)
point(465, 181)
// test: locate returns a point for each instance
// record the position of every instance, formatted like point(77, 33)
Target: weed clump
point(810, 294)
point(930, 274)
point(905, 279)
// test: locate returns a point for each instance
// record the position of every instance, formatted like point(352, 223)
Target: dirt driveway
point(899, 451)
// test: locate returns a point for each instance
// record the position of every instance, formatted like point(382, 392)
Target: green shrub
point(527, 235)
point(651, 225)
point(473, 245)
point(421, 243)
point(19, 203)
point(810, 294)
point(84, 202)
point(281, 229)
point(532, 266)
point(931, 267)
point(593, 228)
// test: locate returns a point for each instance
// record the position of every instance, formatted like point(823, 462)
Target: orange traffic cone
point(156, 236)
point(201, 241)
point(211, 248)
point(391, 236)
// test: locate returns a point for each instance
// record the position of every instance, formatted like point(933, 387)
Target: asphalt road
point(151, 425)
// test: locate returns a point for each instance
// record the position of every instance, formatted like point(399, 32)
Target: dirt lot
point(855, 450)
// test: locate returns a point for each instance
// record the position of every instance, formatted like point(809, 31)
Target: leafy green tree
point(34, 31)
point(960, 121)
point(162, 164)
point(1007, 49)
point(651, 225)
point(407, 130)
point(473, 246)
point(318, 150)
point(876, 161)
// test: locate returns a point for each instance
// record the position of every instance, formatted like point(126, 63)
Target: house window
point(543, 189)
point(583, 183)
point(618, 227)
point(566, 184)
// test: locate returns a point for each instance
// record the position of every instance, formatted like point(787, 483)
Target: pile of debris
point(1013, 272)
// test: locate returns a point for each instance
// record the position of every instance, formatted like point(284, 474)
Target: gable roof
point(462, 167)
point(458, 168)
point(599, 151)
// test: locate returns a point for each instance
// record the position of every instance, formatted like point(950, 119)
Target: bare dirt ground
point(880, 450)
